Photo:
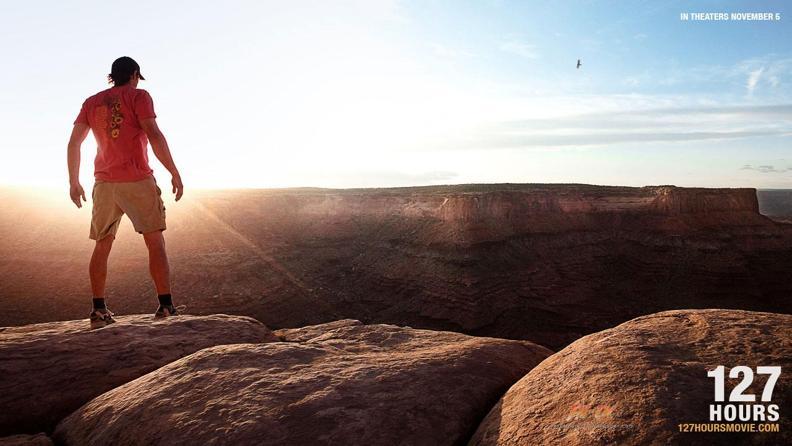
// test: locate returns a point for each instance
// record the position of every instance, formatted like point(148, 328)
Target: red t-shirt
point(114, 116)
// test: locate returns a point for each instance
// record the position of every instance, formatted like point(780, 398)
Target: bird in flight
point(579, 64)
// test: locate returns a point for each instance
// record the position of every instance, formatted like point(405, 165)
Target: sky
point(376, 93)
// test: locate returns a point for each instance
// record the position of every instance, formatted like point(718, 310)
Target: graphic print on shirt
point(109, 116)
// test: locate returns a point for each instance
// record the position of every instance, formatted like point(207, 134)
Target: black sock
point(165, 300)
point(99, 303)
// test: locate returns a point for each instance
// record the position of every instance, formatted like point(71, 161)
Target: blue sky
point(391, 93)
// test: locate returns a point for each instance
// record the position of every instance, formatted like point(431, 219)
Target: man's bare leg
point(158, 261)
point(97, 269)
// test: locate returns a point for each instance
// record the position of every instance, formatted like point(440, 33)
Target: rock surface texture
point(26, 440)
point(634, 384)
point(309, 332)
point(49, 370)
point(344, 384)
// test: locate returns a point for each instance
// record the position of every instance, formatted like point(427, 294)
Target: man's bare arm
point(161, 150)
point(79, 132)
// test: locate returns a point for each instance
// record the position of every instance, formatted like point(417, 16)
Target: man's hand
point(178, 187)
point(76, 192)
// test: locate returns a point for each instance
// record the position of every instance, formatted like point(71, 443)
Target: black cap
point(125, 66)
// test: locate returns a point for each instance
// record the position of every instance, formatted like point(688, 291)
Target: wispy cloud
point(667, 124)
point(747, 76)
point(580, 139)
point(768, 70)
point(767, 168)
point(753, 80)
point(521, 49)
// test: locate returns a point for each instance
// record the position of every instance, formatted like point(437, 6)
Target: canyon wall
point(510, 202)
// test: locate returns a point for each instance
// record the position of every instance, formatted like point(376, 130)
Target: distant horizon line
point(424, 186)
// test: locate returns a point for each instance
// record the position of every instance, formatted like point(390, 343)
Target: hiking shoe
point(101, 318)
point(169, 310)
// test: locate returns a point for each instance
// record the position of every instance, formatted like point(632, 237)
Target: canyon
point(548, 263)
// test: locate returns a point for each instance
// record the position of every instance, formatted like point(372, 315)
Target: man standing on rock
point(123, 122)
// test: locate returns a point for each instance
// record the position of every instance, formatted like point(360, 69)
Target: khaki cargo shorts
point(140, 200)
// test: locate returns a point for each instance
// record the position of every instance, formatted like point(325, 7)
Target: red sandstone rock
point(26, 440)
point(49, 370)
point(349, 384)
point(307, 333)
point(634, 384)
